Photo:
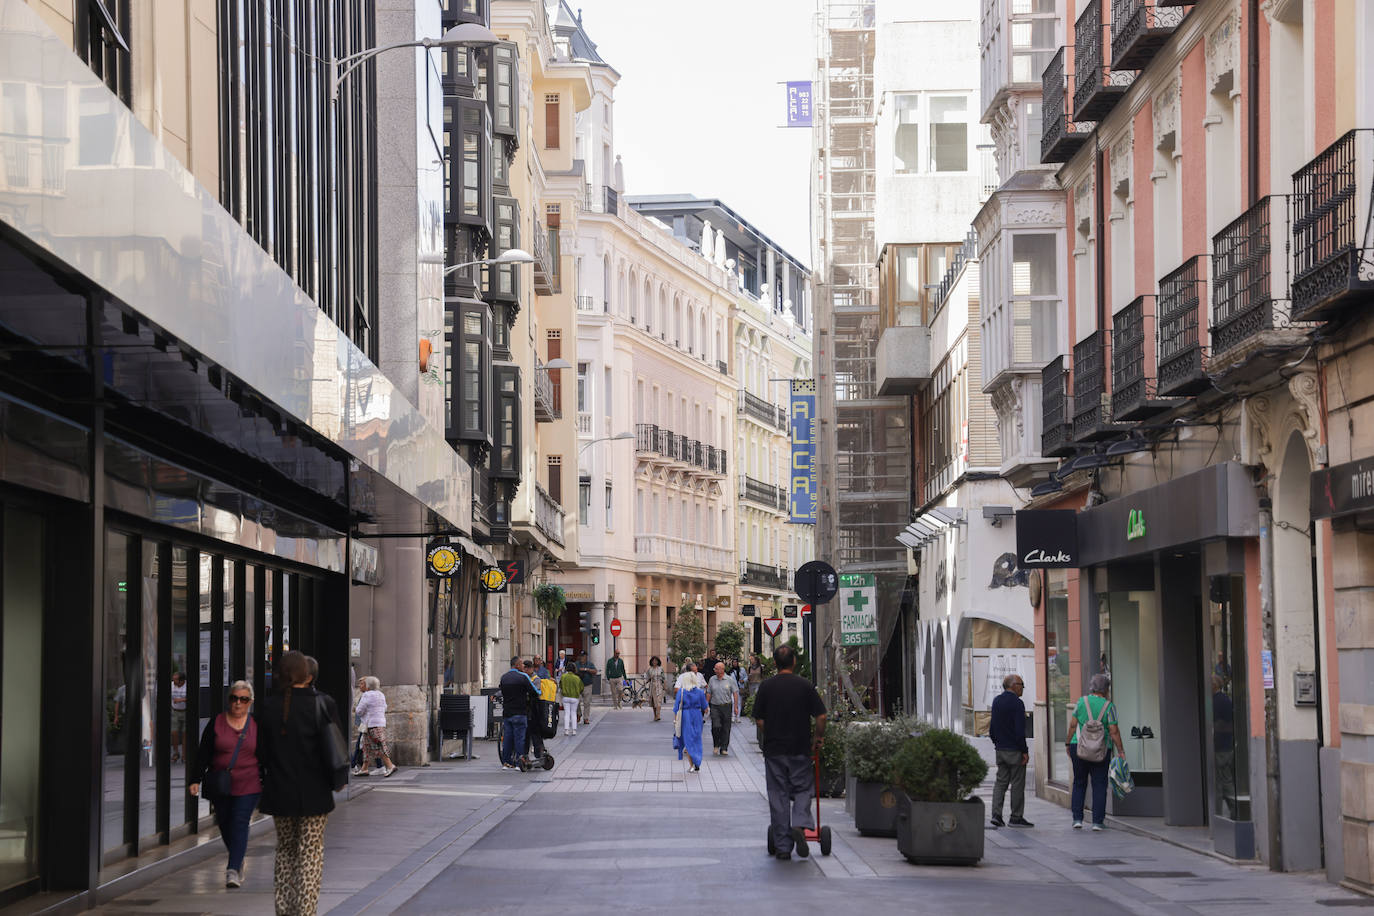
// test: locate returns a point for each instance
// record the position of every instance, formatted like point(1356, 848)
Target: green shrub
point(870, 747)
point(937, 766)
point(746, 711)
point(833, 747)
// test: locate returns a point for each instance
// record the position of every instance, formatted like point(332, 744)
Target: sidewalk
point(619, 823)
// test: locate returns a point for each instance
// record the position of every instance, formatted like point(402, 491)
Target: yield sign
point(773, 625)
point(615, 627)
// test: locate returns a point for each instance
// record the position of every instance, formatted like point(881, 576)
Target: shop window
point(1227, 699)
point(21, 641)
point(507, 437)
point(1059, 690)
point(1128, 636)
point(467, 352)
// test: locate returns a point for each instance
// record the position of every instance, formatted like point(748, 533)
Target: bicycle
point(635, 692)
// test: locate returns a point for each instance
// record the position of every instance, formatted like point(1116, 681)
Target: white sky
point(699, 103)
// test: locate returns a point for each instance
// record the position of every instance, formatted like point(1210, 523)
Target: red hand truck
point(817, 834)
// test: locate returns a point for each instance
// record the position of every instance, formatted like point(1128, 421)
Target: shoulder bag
point(333, 750)
point(218, 784)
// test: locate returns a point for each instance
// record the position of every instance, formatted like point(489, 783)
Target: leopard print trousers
point(299, 864)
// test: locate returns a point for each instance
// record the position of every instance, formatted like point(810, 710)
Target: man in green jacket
point(615, 673)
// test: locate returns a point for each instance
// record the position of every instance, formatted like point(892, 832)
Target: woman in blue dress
point(689, 709)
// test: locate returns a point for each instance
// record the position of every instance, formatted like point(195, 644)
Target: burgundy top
point(245, 779)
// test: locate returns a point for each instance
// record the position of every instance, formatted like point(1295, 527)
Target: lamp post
point(616, 438)
point(509, 256)
point(467, 35)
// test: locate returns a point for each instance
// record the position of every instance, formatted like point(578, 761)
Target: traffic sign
point(817, 582)
point(858, 610)
point(615, 626)
point(773, 625)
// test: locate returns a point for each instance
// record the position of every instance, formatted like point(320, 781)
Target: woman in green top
point(570, 685)
point(1094, 706)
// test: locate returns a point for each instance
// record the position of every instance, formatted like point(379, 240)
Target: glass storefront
point(1227, 701)
point(1059, 690)
point(21, 626)
point(1129, 641)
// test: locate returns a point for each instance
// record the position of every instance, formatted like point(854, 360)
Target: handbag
point(219, 783)
point(333, 750)
point(1122, 781)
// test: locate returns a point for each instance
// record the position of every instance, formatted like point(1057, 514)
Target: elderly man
point(720, 692)
point(1008, 733)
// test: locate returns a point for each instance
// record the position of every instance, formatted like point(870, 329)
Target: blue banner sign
point(803, 492)
point(799, 103)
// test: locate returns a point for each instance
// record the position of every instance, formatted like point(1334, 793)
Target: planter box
point(832, 784)
point(875, 808)
point(941, 833)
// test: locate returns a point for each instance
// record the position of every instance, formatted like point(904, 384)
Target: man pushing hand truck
point(783, 710)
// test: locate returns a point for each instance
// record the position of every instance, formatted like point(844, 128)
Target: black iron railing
point(1129, 385)
point(763, 494)
point(1139, 29)
point(763, 576)
point(1097, 88)
point(646, 437)
point(1242, 303)
point(1060, 136)
point(754, 406)
point(1090, 385)
point(1181, 358)
point(650, 437)
point(1056, 432)
point(1331, 261)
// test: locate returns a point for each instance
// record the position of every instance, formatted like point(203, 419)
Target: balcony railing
point(646, 437)
point(1132, 392)
point(762, 494)
point(548, 515)
point(545, 271)
point(715, 460)
point(724, 369)
point(1060, 135)
point(1333, 236)
point(1182, 359)
point(1056, 431)
point(1097, 87)
point(1139, 29)
point(1092, 406)
point(762, 576)
point(656, 440)
point(754, 406)
point(661, 549)
point(586, 304)
point(545, 410)
point(584, 423)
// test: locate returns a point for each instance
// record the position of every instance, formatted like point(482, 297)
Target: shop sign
point(858, 609)
point(802, 494)
point(789, 610)
point(442, 559)
point(723, 601)
point(1135, 525)
point(493, 579)
point(579, 592)
point(1343, 489)
point(747, 610)
point(1047, 538)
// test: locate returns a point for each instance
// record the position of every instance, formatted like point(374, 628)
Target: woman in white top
point(371, 712)
point(688, 677)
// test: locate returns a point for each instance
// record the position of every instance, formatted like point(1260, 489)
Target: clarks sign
point(1047, 538)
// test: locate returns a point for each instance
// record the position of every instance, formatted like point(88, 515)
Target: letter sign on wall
point(1047, 538)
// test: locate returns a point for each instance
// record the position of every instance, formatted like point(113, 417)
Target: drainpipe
point(1252, 103)
point(1317, 676)
point(1099, 225)
point(1271, 702)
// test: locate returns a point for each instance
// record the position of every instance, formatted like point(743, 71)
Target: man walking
point(783, 709)
point(1008, 733)
point(587, 672)
point(615, 675)
point(721, 691)
point(516, 692)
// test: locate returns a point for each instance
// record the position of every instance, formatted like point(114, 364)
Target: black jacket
point(295, 782)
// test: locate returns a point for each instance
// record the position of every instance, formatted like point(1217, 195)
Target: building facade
point(1214, 177)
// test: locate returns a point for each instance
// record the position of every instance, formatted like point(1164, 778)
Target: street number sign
point(858, 609)
point(816, 582)
point(773, 625)
point(615, 626)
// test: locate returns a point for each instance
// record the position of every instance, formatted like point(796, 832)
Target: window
point(1035, 297)
point(584, 502)
point(556, 478)
point(553, 219)
point(456, 11)
point(470, 197)
point(554, 341)
point(949, 134)
point(101, 30)
point(503, 280)
point(467, 357)
point(1033, 43)
point(502, 317)
point(583, 394)
point(610, 507)
point(906, 147)
point(507, 438)
point(606, 391)
point(455, 69)
point(552, 119)
point(504, 92)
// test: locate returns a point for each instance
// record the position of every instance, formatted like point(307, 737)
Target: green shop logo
point(1135, 525)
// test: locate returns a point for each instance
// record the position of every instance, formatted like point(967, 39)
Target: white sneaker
point(1077, 825)
point(232, 878)
point(1097, 827)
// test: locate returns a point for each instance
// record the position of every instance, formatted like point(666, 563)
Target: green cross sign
point(859, 610)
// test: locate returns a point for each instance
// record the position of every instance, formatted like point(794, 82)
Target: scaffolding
point(864, 454)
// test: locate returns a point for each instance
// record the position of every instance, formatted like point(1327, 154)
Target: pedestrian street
point(619, 824)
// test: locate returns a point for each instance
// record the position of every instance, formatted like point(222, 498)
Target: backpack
point(1092, 735)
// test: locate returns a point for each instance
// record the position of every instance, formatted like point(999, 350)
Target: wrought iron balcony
point(545, 407)
point(757, 574)
point(752, 405)
point(1182, 358)
point(1092, 406)
point(1333, 235)
point(646, 437)
point(1056, 432)
point(762, 494)
point(715, 460)
point(724, 369)
point(1139, 29)
point(548, 515)
point(1060, 135)
point(1097, 87)
point(1133, 393)
point(612, 201)
point(545, 271)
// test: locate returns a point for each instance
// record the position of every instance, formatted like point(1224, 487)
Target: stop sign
point(615, 626)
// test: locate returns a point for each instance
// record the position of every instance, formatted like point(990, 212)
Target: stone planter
point(941, 833)
point(875, 808)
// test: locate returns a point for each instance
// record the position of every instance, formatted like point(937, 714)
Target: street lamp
point(509, 256)
point(467, 35)
point(617, 437)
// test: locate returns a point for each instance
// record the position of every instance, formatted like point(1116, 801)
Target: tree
point(689, 637)
point(730, 639)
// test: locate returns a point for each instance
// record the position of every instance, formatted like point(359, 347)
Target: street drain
point(1343, 901)
point(1152, 874)
point(1100, 861)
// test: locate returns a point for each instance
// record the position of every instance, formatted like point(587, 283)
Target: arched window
point(606, 284)
point(691, 330)
point(648, 306)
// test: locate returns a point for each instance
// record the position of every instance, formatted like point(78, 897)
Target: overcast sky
point(699, 103)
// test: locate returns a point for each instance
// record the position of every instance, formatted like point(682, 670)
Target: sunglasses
point(233, 698)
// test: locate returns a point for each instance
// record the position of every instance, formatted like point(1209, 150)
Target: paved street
point(619, 823)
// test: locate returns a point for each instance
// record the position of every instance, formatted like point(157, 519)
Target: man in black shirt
point(783, 709)
point(1007, 729)
point(517, 690)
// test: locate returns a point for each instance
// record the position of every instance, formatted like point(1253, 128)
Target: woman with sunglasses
point(230, 742)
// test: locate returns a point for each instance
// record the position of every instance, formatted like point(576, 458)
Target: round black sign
point(817, 582)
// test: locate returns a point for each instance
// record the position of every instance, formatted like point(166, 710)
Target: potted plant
point(550, 600)
point(832, 760)
point(940, 821)
point(869, 749)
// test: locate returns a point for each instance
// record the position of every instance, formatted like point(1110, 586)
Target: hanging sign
point(858, 609)
point(799, 93)
point(803, 492)
point(441, 560)
point(493, 579)
point(1047, 538)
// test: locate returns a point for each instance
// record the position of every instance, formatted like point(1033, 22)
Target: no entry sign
point(615, 626)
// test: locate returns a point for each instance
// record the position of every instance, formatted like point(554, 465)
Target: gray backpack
point(1092, 735)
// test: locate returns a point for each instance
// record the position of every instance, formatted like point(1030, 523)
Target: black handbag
point(333, 750)
point(218, 784)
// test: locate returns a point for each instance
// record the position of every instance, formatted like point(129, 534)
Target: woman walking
point(689, 708)
point(298, 787)
point(570, 685)
point(230, 744)
point(656, 680)
point(371, 713)
point(1093, 707)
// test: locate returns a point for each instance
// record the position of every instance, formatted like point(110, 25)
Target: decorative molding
point(1307, 394)
point(1289, 11)
point(1223, 52)
point(1164, 110)
point(1082, 207)
point(1051, 214)
point(1259, 421)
